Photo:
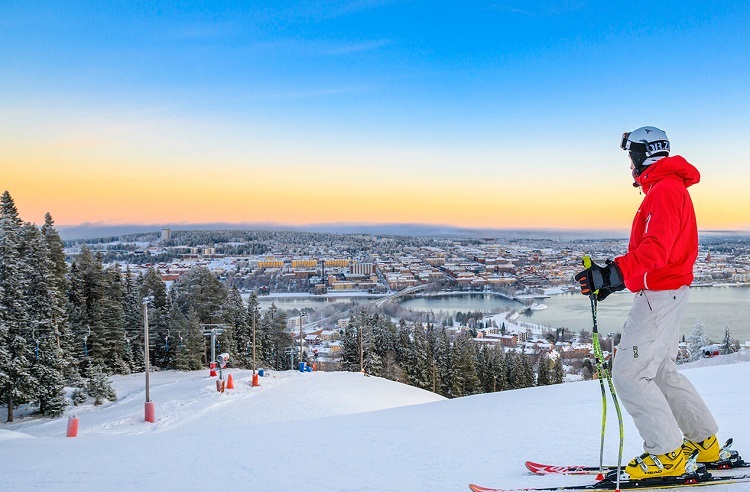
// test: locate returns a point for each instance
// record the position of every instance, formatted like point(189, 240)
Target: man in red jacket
point(670, 415)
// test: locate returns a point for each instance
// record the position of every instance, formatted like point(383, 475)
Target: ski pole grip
point(587, 263)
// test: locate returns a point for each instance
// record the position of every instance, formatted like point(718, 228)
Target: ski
point(606, 485)
point(542, 469)
point(734, 461)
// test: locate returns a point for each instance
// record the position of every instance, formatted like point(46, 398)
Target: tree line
point(430, 357)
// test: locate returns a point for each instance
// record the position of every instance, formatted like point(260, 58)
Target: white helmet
point(643, 144)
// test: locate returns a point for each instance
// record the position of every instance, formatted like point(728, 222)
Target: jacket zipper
point(648, 221)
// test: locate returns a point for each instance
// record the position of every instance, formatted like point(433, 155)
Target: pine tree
point(151, 286)
point(234, 316)
point(275, 340)
point(111, 319)
point(253, 317)
point(443, 362)
point(465, 380)
point(697, 340)
point(558, 371)
point(132, 310)
point(372, 360)
point(513, 370)
point(420, 371)
point(97, 298)
point(58, 297)
point(98, 385)
point(727, 345)
point(77, 316)
point(350, 360)
point(403, 346)
point(484, 369)
point(498, 369)
point(15, 360)
point(529, 378)
point(47, 368)
point(434, 338)
point(201, 290)
point(190, 344)
point(543, 377)
point(87, 290)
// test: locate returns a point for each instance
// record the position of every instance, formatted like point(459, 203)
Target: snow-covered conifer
point(543, 376)
point(253, 319)
point(47, 379)
point(15, 360)
point(98, 385)
point(132, 309)
point(697, 340)
point(727, 345)
point(558, 371)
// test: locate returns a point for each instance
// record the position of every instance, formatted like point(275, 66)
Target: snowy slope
point(333, 431)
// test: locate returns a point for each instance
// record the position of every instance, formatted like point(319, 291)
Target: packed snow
point(335, 432)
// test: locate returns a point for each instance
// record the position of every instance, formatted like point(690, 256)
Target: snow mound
point(7, 435)
point(190, 398)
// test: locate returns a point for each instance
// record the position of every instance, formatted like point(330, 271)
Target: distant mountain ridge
point(98, 230)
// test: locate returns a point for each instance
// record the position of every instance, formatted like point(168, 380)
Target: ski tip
point(537, 468)
point(478, 488)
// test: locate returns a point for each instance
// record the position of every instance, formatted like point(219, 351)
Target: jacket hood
point(673, 166)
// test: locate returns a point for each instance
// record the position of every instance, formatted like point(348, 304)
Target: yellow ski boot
point(709, 450)
point(671, 464)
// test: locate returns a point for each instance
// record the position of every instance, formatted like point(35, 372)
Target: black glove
point(599, 282)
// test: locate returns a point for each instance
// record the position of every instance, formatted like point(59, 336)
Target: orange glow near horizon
point(99, 180)
point(298, 196)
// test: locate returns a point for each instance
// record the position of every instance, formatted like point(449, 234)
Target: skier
point(670, 415)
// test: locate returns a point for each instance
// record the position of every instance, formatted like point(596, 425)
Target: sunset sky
point(503, 114)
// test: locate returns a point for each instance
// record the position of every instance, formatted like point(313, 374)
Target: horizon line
point(97, 230)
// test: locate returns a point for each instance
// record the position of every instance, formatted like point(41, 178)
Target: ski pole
point(604, 373)
point(599, 368)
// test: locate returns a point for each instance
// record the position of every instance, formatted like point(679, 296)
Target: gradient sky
point(500, 114)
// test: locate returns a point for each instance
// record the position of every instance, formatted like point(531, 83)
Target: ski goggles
point(625, 143)
point(648, 149)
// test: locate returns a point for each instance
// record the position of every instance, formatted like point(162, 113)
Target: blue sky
point(429, 94)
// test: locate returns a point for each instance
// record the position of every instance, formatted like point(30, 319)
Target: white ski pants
point(663, 403)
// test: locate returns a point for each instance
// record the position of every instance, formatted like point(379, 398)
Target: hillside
point(332, 431)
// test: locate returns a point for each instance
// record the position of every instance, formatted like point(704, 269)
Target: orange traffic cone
point(255, 380)
point(230, 382)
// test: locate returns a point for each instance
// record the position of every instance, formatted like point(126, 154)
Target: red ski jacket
point(664, 237)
